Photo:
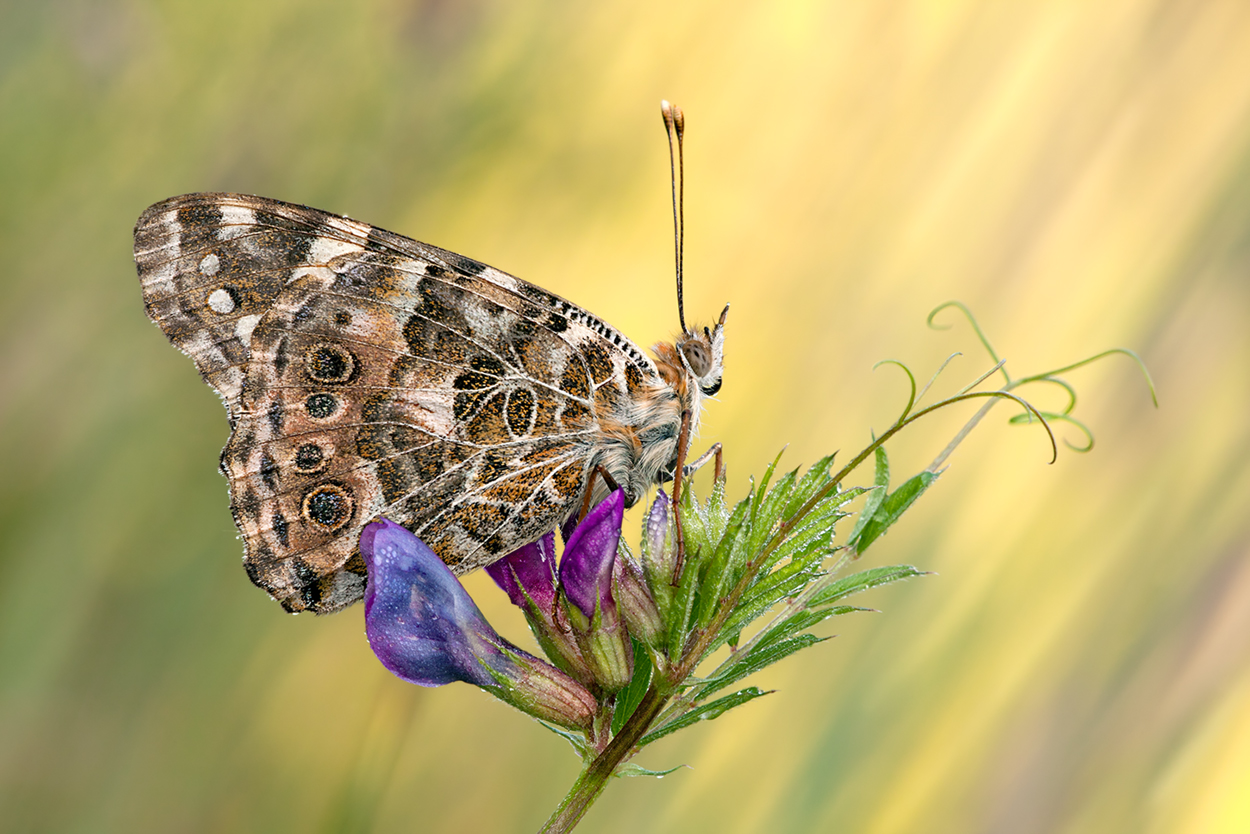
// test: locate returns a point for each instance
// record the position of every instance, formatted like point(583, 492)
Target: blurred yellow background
point(1078, 173)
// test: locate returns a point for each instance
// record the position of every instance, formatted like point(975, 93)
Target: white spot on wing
point(322, 251)
point(244, 326)
point(210, 265)
point(220, 301)
point(235, 221)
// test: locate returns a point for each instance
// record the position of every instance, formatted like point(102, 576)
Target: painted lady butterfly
point(367, 374)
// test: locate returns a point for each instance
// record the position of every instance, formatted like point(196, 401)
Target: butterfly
point(367, 374)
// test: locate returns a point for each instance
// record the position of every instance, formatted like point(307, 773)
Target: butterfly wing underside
point(367, 374)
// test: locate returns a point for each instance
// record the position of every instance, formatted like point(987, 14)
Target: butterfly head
point(703, 355)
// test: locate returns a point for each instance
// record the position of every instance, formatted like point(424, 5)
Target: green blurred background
point(1078, 173)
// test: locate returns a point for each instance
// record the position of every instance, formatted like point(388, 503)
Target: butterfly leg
point(590, 488)
point(683, 441)
point(714, 451)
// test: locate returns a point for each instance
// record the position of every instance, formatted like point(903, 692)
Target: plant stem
point(959, 437)
point(594, 778)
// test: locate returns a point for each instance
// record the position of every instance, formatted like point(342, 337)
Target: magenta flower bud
point(425, 628)
point(528, 576)
point(586, 569)
point(586, 580)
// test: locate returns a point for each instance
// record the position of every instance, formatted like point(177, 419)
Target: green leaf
point(778, 585)
point(694, 529)
point(881, 488)
point(742, 665)
point(769, 514)
point(719, 568)
point(716, 510)
point(683, 603)
point(760, 491)
point(814, 533)
point(627, 699)
point(706, 712)
point(802, 621)
point(814, 479)
point(862, 581)
point(579, 743)
point(891, 509)
point(631, 769)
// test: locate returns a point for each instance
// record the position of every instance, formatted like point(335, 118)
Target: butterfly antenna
point(675, 124)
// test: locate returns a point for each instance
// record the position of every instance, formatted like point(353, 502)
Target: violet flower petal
point(657, 523)
point(586, 567)
point(529, 571)
point(420, 622)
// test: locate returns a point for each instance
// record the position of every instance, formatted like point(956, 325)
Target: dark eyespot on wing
point(321, 406)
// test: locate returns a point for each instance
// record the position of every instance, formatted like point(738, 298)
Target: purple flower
point(576, 620)
point(528, 575)
point(586, 569)
point(426, 629)
point(421, 623)
point(586, 582)
point(658, 553)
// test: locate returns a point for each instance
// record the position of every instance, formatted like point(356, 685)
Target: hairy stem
point(594, 777)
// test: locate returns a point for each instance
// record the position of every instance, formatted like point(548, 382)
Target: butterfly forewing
point(368, 374)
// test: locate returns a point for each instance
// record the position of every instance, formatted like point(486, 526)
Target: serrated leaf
point(760, 657)
point(891, 509)
point(779, 585)
point(630, 769)
point(706, 712)
point(786, 581)
point(815, 531)
point(818, 524)
point(769, 513)
point(862, 581)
